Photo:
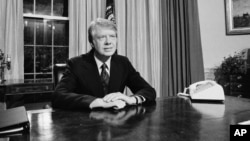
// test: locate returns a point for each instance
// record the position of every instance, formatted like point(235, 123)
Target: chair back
point(58, 72)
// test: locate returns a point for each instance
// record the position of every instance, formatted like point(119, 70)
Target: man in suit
point(98, 79)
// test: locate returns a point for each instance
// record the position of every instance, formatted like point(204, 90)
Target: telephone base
point(207, 101)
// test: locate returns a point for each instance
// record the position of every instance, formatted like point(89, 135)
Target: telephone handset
point(204, 90)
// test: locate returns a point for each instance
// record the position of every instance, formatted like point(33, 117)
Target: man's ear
point(92, 45)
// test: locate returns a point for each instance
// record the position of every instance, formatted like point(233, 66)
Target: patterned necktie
point(105, 78)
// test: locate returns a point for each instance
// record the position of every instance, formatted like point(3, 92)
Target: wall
point(215, 43)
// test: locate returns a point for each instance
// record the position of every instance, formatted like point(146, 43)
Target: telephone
point(204, 90)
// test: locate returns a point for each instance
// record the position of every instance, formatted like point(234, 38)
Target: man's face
point(104, 41)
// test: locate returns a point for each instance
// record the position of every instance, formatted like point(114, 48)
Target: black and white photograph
point(124, 70)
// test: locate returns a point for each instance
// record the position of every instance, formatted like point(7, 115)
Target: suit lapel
point(94, 77)
point(115, 75)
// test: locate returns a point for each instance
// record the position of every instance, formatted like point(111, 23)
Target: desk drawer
point(29, 89)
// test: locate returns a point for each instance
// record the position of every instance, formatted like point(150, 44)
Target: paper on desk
point(244, 122)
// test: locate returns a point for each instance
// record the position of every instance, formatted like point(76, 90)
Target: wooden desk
point(169, 119)
point(20, 87)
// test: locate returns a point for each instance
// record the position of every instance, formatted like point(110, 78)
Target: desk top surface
point(169, 119)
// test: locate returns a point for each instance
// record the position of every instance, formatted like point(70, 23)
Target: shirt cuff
point(140, 99)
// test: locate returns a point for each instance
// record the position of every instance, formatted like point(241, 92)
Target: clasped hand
point(116, 100)
point(119, 96)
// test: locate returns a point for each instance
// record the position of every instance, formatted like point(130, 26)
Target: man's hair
point(99, 22)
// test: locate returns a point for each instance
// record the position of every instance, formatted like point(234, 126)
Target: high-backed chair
point(57, 75)
point(58, 72)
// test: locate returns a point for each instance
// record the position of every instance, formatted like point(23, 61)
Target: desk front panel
point(17, 89)
point(16, 93)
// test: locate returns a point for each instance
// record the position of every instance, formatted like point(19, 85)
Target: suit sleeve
point(138, 85)
point(66, 96)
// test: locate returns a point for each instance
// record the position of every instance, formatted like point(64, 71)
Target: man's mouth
point(108, 48)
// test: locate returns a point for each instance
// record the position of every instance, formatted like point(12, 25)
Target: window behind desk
point(46, 32)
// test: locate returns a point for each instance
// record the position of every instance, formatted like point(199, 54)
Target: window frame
point(35, 45)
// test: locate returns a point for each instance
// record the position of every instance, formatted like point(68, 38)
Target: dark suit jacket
point(81, 82)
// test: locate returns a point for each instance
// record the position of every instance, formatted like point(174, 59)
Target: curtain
point(182, 62)
point(139, 37)
point(81, 13)
point(11, 36)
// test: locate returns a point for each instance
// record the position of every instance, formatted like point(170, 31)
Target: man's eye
point(113, 36)
point(101, 37)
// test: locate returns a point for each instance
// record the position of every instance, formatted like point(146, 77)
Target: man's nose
point(107, 40)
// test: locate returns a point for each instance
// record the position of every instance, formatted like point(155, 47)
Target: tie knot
point(104, 66)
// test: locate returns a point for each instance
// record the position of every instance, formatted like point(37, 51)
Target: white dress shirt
point(100, 63)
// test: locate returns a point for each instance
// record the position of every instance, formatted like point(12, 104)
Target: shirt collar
point(99, 62)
